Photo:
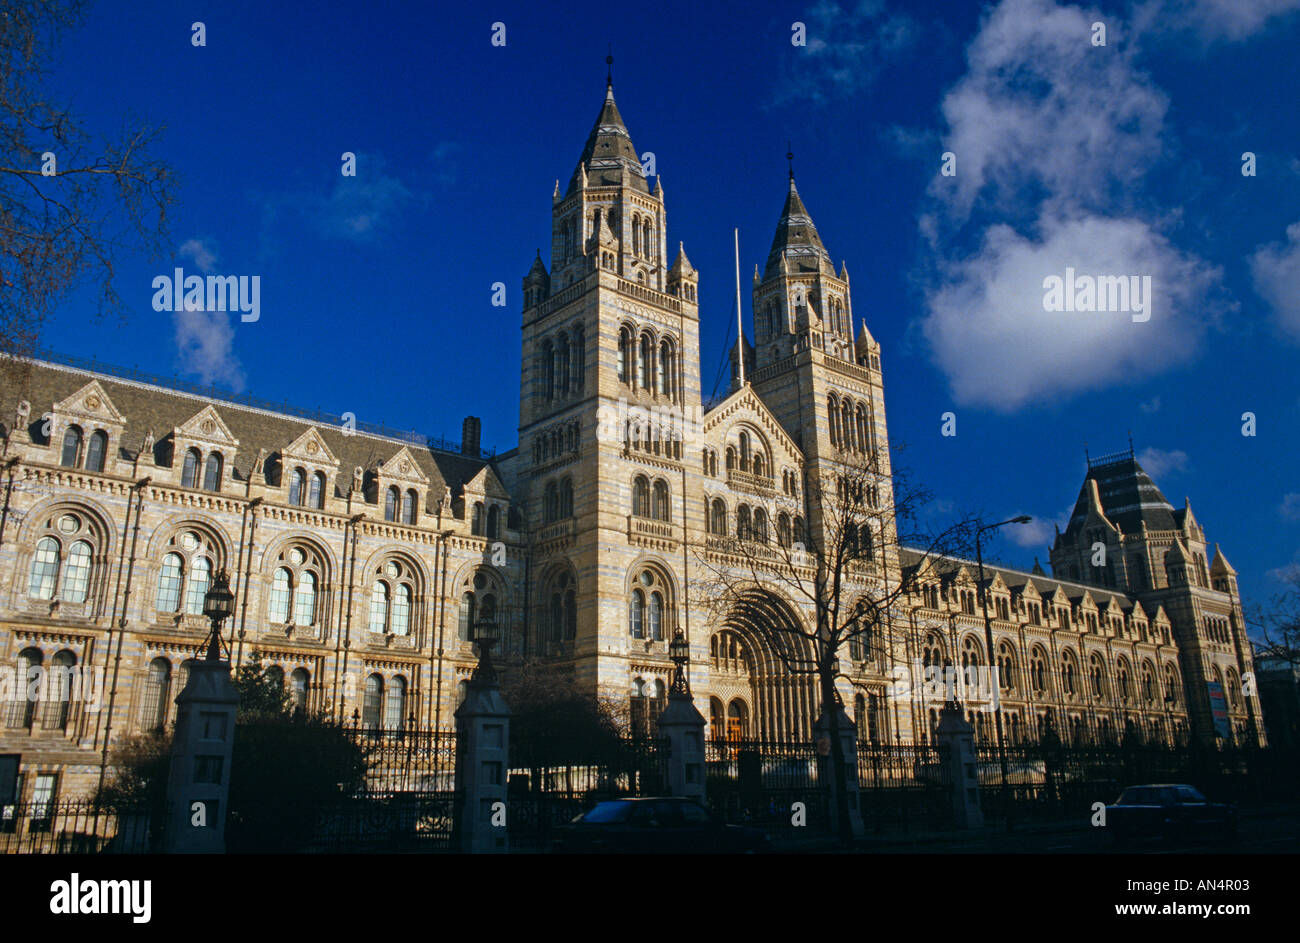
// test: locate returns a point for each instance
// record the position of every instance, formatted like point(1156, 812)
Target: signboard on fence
point(1219, 710)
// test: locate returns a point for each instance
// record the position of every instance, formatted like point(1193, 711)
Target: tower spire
point(609, 68)
point(789, 156)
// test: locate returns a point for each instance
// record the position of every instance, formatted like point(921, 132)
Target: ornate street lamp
point(218, 606)
point(679, 650)
point(486, 634)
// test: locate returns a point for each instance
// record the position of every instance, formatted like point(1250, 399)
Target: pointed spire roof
point(681, 265)
point(1220, 566)
point(609, 157)
point(865, 341)
point(796, 241)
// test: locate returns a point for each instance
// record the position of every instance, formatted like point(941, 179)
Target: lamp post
point(679, 650)
point(486, 634)
point(218, 606)
point(988, 640)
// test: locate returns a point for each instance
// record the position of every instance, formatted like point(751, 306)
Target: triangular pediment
point(745, 403)
point(207, 426)
point(403, 467)
point(486, 484)
point(90, 402)
point(310, 447)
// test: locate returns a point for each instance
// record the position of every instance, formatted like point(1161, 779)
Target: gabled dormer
point(308, 471)
point(485, 504)
point(203, 448)
point(401, 485)
point(1222, 575)
point(86, 430)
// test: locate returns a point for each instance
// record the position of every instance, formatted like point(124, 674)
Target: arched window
point(476, 523)
point(297, 479)
point(562, 356)
point(71, 447)
point(570, 615)
point(636, 234)
point(661, 500)
point(636, 614)
point(212, 472)
point(390, 503)
point(846, 424)
point(641, 496)
point(157, 686)
point(1098, 674)
point(402, 610)
point(379, 599)
point(408, 507)
point(647, 246)
point(719, 518)
point(494, 522)
point(395, 704)
point(44, 576)
point(863, 439)
point(55, 712)
point(760, 468)
point(196, 587)
point(548, 370)
point(744, 526)
point(760, 525)
point(744, 451)
point(655, 629)
point(550, 503)
point(557, 616)
point(169, 584)
point(667, 368)
point(22, 709)
point(190, 470)
point(833, 414)
point(624, 355)
point(643, 362)
point(316, 495)
point(579, 358)
point(76, 574)
point(566, 498)
point(299, 688)
point(372, 705)
point(1068, 673)
point(465, 621)
point(96, 452)
point(783, 529)
point(304, 599)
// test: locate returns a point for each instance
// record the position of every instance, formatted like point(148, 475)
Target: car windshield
point(606, 812)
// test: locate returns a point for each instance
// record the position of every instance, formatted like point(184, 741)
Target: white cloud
point(1039, 532)
point(1211, 20)
point(1158, 462)
point(202, 254)
point(205, 347)
point(1150, 406)
point(1275, 269)
point(1290, 507)
point(989, 333)
point(1052, 138)
point(359, 207)
point(845, 52)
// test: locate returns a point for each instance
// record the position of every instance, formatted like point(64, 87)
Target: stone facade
point(362, 560)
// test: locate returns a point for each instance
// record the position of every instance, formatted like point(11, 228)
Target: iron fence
point(771, 783)
point(550, 784)
point(407, 760)
point(75, 827)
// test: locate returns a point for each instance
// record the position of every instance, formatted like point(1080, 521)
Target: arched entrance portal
point(757, 693)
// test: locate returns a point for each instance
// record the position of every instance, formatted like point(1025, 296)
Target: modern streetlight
point(988, 640)
point(218, 606)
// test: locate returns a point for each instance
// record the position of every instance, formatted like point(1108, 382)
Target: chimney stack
point(469, 436)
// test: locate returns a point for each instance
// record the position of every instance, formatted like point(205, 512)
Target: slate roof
point(609, 155)
point(796, 239)
point(147, 407)
point(1128, 496)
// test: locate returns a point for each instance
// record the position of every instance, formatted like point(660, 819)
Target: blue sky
point(1125, 158)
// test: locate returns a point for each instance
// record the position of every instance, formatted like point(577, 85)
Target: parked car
point(1168, 810)
point(657, 826)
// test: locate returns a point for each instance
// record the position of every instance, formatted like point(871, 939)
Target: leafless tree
point(837, 558)
point(70, 204)
point(1277, 625)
